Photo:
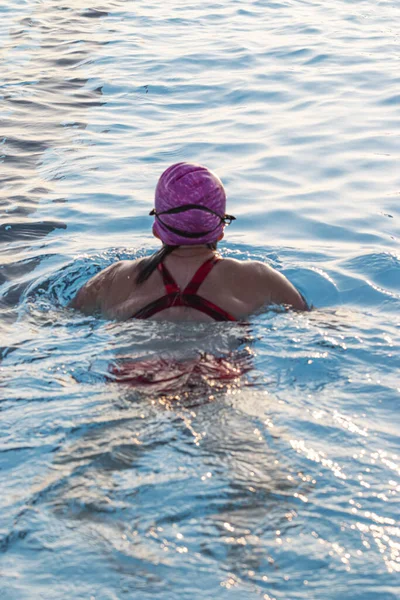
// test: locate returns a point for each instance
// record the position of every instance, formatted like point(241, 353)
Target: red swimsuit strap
point(171, 287)
point(189, 296)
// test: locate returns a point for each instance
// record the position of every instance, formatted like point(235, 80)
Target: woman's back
point(234, 287)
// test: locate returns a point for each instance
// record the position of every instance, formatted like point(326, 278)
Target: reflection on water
point(231, 461)
point(43, 103)
point(251, 487)
point(46, 88)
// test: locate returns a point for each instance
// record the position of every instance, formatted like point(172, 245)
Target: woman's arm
point(280, 290)
point(90, 297)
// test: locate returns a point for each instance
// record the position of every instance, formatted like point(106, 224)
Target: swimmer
point(187, 280)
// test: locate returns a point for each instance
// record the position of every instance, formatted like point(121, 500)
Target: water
point(282, 482)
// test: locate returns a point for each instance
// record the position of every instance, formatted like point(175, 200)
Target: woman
point(187, 279)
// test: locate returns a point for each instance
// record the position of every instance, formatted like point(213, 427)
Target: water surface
point(282, 482)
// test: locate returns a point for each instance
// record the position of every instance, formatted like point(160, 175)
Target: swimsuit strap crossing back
point(188, 297)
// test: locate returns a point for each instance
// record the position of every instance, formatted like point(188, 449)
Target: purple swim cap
point(189, 206)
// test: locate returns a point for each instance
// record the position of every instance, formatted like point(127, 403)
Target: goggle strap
point(186, 234)
point(227, 219)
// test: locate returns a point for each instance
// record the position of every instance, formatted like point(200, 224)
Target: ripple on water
point(283, 482)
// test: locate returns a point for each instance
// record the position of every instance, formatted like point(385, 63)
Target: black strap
point(227, 219)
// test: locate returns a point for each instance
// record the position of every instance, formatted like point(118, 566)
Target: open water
point(282, 482)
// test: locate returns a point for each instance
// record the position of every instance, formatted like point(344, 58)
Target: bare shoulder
point(266, 284)
point(280, 289)
point(90, 296)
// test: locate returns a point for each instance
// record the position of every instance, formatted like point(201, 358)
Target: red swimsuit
point(189, 296)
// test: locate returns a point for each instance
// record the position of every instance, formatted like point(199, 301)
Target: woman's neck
point(192, 251)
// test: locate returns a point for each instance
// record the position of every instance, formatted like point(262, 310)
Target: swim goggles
point(226, 219)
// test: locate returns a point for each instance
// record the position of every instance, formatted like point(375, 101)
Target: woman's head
point(189, 206)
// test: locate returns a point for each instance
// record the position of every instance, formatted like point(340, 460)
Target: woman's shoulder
point(264, 283)
point(92, 294)
point(253, 268)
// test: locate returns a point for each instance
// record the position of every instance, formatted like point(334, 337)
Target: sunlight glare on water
point(279, 480)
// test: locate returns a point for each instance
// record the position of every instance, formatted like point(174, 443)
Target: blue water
point(282, 483)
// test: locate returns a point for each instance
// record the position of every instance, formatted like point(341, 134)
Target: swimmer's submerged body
point(187, 280)
point(166, 376)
